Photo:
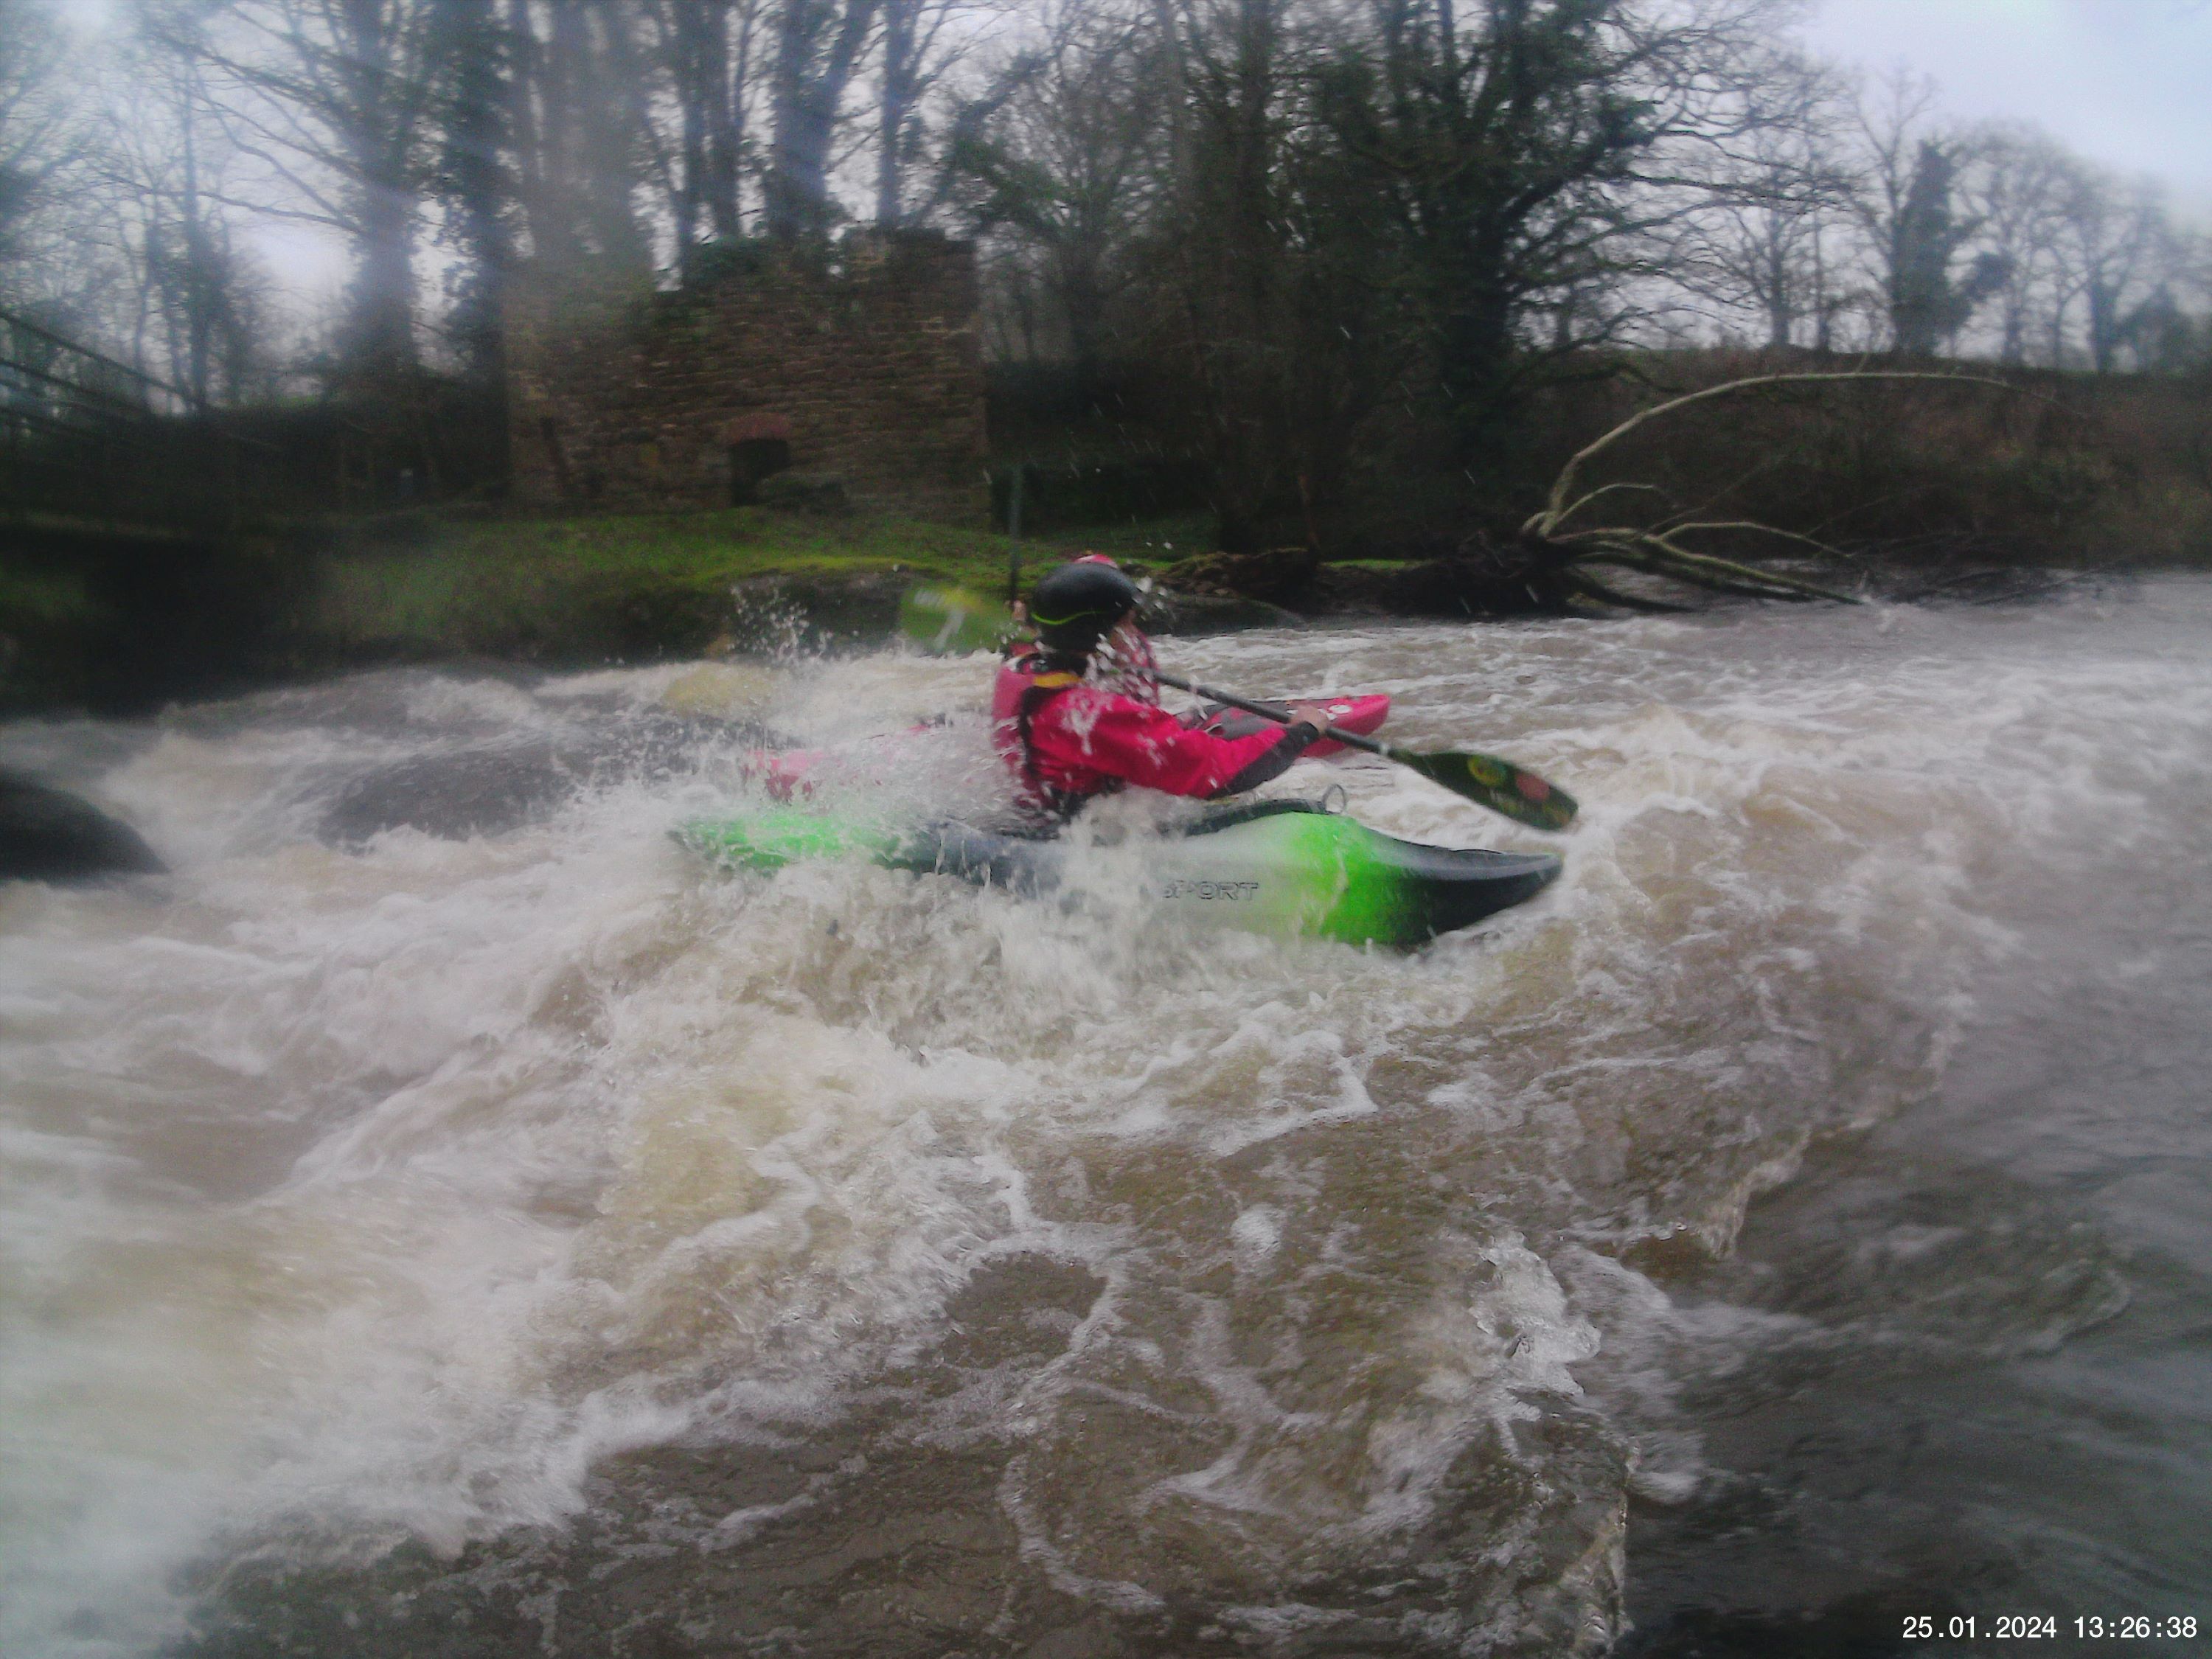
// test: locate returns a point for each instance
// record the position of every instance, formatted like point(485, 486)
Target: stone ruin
point(856, 377)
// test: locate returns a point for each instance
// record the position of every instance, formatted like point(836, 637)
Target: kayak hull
point(1285, 868)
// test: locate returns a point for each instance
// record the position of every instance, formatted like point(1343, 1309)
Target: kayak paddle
point(1486, 780)
point(944, 619)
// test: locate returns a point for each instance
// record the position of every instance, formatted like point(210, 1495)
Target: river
point(444, 1217)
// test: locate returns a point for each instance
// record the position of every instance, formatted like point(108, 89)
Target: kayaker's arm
point(1308, 721)
point(1294, 742)
point(1143, 745)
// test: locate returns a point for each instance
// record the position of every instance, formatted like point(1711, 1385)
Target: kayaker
point(1070, 735)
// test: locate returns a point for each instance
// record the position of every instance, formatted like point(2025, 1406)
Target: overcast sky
point(2127, 83)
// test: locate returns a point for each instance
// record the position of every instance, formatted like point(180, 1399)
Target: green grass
point(1152, 542)
point(728, 546)
point(45, 598)
point(587, 586)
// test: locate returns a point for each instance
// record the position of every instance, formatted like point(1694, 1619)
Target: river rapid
point(443, 1217)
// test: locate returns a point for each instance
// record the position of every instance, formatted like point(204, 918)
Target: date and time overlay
point(2161, 1628)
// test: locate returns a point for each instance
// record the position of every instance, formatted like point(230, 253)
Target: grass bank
point(571, 591)
point(120, 626)
point(123, 628)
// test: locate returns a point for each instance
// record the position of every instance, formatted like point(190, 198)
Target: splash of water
point(360, 1192)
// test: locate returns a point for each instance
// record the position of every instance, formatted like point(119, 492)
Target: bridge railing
point(87, 440)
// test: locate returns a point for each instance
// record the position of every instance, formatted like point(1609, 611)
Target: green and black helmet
point(1077, 605)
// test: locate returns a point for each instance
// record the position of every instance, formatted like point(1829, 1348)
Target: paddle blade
point(1499, 785)
point(952, 621)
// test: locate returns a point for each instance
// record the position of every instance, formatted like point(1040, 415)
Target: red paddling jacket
point(1069, 741)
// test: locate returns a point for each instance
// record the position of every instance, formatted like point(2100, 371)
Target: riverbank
point(122, 627)
point(582, 591)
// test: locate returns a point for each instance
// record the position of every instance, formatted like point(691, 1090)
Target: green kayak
point(1289, 868)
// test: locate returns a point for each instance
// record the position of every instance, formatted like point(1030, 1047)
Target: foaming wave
point(428, 1175)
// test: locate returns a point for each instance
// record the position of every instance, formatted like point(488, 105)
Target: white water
point(357, 1192)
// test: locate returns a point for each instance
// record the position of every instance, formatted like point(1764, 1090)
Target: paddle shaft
point(1274, 712)
point(1499, 785)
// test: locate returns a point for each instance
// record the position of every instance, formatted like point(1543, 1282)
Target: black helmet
point(1076, 605)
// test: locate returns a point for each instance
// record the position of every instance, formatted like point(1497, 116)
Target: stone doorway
point(759, 447)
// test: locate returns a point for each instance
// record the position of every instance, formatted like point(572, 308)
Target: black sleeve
point(1272, 762)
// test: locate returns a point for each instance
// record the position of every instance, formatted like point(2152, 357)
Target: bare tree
point(2019, 186)
point(1224, 243)
point(922, 39)
point(705, 49)
point(1528, 150)
point(578, 115)
point(163, 168)
point(1927, 303)
point(1762, 244)
point(331, 96)
point(818, 48)
point(37, 136)
point(1903, 204)
point(1054, 165)
point(473, 181)
point(2117, 243)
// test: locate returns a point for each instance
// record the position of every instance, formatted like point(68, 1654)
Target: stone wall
point(867, 365)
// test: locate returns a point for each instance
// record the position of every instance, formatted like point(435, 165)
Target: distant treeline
point(1329, 228)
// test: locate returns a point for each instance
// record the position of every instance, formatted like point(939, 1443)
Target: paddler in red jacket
point(1070, 735)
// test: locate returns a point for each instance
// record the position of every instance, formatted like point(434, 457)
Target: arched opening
point(759, 447)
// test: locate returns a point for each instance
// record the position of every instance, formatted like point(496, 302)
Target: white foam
point(355, 1195)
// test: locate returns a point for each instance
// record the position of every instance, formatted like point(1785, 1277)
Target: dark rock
point(819, 493)
point(46, 834)
point(633, 617)
point(1192, 614)
point(492, 789)
point(1475, 579)
point(776, 611)
point(1480, 583)
point(1280, 575)
point(121, 623)
point(477, 791)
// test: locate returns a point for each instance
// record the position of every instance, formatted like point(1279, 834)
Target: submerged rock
point(1189, 614)
point(490, 789)
point(49, 834)
point(477, 791)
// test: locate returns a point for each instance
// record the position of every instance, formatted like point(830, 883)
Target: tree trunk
point(1781, 314)
point(725, 127)
point(380, 329)
point(900, 88)
point(703, 193)
point(198, 267)
point(2104, 324)
point(808, 95)
point(474, 183)
point(525, 87)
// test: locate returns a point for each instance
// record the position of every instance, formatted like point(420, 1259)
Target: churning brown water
point(443, 1218)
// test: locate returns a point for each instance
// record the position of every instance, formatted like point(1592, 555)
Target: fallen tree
point(1553, 566)
point(1660, 550)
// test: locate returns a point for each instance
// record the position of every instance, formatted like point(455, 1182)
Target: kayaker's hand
point(1314, 714)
